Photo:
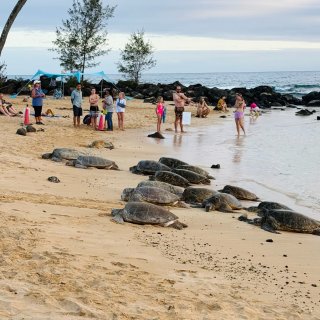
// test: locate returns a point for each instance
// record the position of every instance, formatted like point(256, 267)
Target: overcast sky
point(188, 36)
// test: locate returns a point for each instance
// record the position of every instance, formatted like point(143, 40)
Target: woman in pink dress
point(240, 106)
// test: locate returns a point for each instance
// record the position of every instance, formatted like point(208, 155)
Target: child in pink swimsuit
point(159, 112)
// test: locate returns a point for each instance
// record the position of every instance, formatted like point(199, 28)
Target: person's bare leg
point(176, 124)
point(237, 126)
point(181, 125)
point(119, 120)
point(241, 125)
point(74, 121)
point(78, 122)
point(122, 121)
point(5, 112)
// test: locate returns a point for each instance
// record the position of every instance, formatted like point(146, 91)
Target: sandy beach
point(62, 257)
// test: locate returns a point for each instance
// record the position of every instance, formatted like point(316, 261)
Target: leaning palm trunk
point(9, 23)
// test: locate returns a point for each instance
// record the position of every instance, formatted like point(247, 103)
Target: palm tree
point(15, 11)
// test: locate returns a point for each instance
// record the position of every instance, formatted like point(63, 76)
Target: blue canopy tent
point(76, 74)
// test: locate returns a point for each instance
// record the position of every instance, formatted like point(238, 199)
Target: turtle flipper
point(269, 224)
point(182, 204)
point(225, 208)
point(178, 225)
point(80, 166)
point(208, 207)
point(316, 232)
point(117, 219)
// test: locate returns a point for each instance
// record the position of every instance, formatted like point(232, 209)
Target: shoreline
point(63, 257)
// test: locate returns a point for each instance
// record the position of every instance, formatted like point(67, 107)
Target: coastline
point(64, 259)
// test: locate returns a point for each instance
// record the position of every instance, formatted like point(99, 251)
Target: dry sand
point(62, 257)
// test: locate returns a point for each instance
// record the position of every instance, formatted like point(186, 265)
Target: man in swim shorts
point(179, 100)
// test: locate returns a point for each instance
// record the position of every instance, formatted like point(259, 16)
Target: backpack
point(87, 119)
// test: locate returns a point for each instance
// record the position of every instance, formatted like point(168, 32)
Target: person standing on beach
point(179, 100)
point(108, 108)
point(240, 106)
point(37, 101)
point(120, 109)
point(159, 112)
point(94, 108)
point(76, 99)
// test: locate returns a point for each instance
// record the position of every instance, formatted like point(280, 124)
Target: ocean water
point(278, 159)
point(297, 83)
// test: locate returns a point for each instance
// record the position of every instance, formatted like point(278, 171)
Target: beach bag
point(186, 118)
point(87, 119)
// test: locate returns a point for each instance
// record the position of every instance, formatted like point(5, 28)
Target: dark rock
point(313, 103)
point(54, 179)
point(157, 135)
point(22, 132)
point(314, 95)
point(150, 100)
point(215, 166)
point(30, 128)
point(269, 240)
point(304, 112)
point(139, 96)
point(223, 116)
point(318, 117)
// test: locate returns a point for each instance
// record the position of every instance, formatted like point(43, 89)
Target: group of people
point(6, 108)
point(108, 108)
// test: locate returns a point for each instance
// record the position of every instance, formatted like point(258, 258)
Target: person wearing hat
point(37, 101)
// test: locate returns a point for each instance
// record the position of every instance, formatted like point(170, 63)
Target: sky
point(187, 36)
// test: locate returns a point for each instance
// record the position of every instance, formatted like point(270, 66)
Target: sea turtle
point(148, 167)
point(162, 185)
point(197, 170)
point(239, 193)
point(146, 213)
point(60, 154)
point(287, 220)
point(222, 202)
point(267, 205)
point(172, 162)
point(84, 162)
point(54, 179)
point(99, 144)
point(195, 195)
point(151, 195)
point(191, 176)
point(30, 128)
point(170, 177)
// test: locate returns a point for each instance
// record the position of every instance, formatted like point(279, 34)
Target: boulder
point(313, 103)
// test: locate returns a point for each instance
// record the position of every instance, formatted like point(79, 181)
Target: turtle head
point(117, 215)
point(46, 156)
point(126, 194)
point(70, 163)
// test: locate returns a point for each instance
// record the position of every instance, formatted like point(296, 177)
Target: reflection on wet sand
point(177, 141)
point(238, 148)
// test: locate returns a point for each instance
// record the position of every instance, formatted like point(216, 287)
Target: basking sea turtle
point(239, 193)
point(171, 177)
point(101, 144)
point(197, 170)
point(60, 154)
point(172, 162)
point(151, 195)
point(287, 220)
point(267, 205)
point(192, 177)
point(222, 202)
point(30, 128)
point(146, 213)
point(195, 195)
point(149, 167)
point(162, 185)
point(84, 162)
point(21, 132)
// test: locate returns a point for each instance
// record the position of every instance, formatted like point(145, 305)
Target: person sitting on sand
point(254, 110)
point(6, 108)
point(202, 108)
point(222, 105)
point(179, 101)
point(159, 112)
point(240, 106)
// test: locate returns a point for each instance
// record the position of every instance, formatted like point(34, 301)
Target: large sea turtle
point(162, 185)
point(222, 202)
point(146, 213)
point(99, 144)
point(171, 177)
point(197, 170)
point(85, 162)
point(148, 167)
point(287, 220)
point(60, 154)
point(151, 195)
point(172, 162)
point(195, 195)
point(192, 177)
point(239, 193)
point(269, 205)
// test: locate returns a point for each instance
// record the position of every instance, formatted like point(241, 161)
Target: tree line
point(83, 37)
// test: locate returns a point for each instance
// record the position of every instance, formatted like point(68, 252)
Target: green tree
point(83, 37)
point(136, 57)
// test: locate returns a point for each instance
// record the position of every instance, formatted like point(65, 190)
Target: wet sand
point(62, 257)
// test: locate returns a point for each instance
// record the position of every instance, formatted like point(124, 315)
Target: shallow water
point(278, 159)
